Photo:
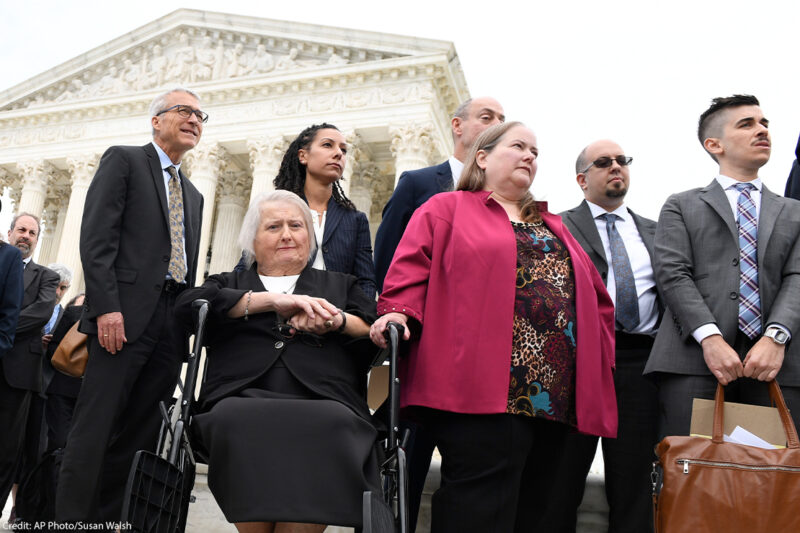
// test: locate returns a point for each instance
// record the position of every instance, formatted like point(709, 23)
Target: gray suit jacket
point(697, 269)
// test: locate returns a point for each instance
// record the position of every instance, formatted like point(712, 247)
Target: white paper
point(741, 436)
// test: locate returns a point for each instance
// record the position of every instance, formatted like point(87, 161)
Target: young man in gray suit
point(620, 245)
point(727, 260)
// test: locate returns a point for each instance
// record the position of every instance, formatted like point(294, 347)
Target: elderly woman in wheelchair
point(283, 416)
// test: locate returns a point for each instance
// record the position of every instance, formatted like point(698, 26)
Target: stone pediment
point(194, 48)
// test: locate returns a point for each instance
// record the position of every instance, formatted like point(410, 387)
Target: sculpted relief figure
point(75, 89)
point(336, 59)
point(131, 75)
point(110, 83)
point(262, 62)
point(181, 64)
point(233, 59)
point(205, 59)
point(157, 68)
point(289, 61)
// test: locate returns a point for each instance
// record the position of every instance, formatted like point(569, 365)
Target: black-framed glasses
point(605, 162)
point(287, 332)
point(185, 112)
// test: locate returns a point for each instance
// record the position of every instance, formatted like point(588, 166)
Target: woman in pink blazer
point(512, 337)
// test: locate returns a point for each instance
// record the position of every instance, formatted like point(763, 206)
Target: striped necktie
point(749, 299)
point(627, 304)
point(177, 266)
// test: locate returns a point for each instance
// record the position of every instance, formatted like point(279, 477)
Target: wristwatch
point(777, 335)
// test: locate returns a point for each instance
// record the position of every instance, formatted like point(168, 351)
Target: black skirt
point(287, 455)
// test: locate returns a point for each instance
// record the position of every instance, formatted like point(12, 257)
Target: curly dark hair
point(292, 174)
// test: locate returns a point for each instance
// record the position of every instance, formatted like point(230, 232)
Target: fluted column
point(205, 164)
point(412, 146)
point(233, 192)
point(81, 171)
point(55, 207)
point(266, 154)
point(35, 178)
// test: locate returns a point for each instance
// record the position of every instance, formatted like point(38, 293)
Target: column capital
point(415, 140)
point(266, 151)
point(37, 173)
point(234, 187)
point(82, 168)
point(208, 158)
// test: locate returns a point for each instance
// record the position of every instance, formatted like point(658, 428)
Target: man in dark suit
point(11, 289)
point(620, 244)
point(416, 186)
point(21, 369)
point(413, 189)
point(139, 250)
point(727, 261)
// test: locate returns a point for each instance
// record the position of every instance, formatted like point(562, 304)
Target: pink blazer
point(454, 272)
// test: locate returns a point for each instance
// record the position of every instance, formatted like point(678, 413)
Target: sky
point(637, 72)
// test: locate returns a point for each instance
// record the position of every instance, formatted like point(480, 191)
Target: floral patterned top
point(544, 344)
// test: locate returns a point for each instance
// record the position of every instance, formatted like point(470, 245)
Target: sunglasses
point(287, 332)
point(605, 162)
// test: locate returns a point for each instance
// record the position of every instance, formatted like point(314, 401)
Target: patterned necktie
point(749, 299)
point(627, 304)
point(177, 266)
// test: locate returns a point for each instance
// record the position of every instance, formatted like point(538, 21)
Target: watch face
point(778, 335)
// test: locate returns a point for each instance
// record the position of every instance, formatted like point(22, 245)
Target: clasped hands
point(762, 362)
point(308, 313)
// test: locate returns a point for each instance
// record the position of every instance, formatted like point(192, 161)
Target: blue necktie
point(627, 304)
point(749, 299)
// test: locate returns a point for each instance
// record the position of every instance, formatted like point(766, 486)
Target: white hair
point(63, 271)
point(160, 101)
point(253, 218)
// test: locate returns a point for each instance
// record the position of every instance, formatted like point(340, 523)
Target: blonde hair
point(473, 177)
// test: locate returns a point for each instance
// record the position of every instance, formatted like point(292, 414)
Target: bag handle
point(777, 398)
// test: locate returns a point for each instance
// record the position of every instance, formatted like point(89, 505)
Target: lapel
point(767, 216)
point(647, 231)
point(444, 177)
point(157, 173)
point(582, 218)
point(332, 219)
point(715, 197)
point(29, 274)
point(305, 283)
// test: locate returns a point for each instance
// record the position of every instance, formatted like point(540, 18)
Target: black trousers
point(58, 414)
point(492, 468)
point(676, 392)
point(117, 414)
point(628, 459)
point(14, 406)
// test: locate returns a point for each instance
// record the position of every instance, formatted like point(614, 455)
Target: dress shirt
point(319, 233)
point(51, 324)
point(456, 168)
point(166, 162)
point(728, 185)
point(641, 266)
point(25, 262)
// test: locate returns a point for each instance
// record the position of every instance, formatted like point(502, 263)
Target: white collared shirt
point(165, 163)
point(641, 266)
point(319, 233)
point(456, 168)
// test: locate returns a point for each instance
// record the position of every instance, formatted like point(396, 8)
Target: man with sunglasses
point(620, 244)
point(139, 250)
point(728, 265)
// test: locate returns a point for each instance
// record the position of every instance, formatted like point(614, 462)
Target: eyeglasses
point(605, 162)
point(185, 112)
point(287, 332)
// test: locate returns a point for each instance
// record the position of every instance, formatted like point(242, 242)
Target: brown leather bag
point(711, 486)
point(72, 354)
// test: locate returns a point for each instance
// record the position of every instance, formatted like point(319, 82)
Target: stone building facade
point(261, 81)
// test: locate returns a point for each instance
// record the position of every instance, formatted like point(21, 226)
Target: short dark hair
point(25, 214)
point(710, 123)
point(292, 174)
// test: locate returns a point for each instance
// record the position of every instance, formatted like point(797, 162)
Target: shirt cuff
point(782, 328)
point(706, 330)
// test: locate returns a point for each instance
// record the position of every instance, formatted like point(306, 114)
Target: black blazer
point(125, 243)
point(793, 183)
point(59, 383)
point(241, 350)
point(22, 364)
point(345, 246)
point(413, 189)
point(11, 290)
point(581, 224)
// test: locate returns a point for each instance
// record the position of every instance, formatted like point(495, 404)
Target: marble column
point(205, 165)
point(412, 147)
point(81, 171)
point(266, 154)
point(35, 178)
point(55, 207)
point(233, 192)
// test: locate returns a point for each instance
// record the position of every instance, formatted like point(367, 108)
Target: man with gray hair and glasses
point(139, 249)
